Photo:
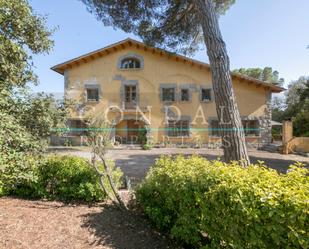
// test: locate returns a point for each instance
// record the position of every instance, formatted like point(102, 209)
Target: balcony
point(129, 107)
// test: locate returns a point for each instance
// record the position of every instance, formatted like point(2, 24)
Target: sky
point(257, 33)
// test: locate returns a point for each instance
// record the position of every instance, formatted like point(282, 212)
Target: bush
point(147, 146)
point(17, 170)
point(66, 178)
point(71, 178)
point(210, 204)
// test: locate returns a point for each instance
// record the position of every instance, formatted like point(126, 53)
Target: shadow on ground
point(277, 164)
point(120, 229)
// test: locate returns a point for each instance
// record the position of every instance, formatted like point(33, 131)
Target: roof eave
point(60, 68)
point(57, 69)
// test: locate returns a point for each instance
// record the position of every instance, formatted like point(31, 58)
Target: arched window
point(130, 62)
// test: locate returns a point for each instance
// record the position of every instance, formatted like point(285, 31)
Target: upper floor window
point(130, 63)
point(168, 94)
point(184, 94)
point(92, 94)
point(206, 95)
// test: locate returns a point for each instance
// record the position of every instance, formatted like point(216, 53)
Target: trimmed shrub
point(210, 204)
point(66, 178)
point(71, 178)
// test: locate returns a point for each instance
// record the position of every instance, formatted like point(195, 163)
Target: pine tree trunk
point(232, 133)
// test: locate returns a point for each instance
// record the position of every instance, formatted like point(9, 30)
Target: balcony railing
point(130, 105)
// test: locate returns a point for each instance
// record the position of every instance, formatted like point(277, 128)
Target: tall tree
point(181, 26)
point(265, 74)
point(295, 88)
point(21, 31)
point(295, 106)
point(25, 119)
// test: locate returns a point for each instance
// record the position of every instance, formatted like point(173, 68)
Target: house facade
point(137, 88)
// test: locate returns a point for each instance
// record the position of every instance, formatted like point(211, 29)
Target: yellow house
point(139, 88)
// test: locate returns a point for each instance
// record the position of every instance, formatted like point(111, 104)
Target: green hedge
point(66, 178)
point(210, 204)
point(16, 169)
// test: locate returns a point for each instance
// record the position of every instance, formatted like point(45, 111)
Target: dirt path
point(53, 225)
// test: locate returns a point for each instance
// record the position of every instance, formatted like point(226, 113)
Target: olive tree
point(99, 139)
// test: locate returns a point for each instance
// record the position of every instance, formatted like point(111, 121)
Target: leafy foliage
point(147, 146)
point(295, 106)
point(173, 25)
point(37, 113)
point(20, 31)
point(65, 178)
point(26, 119)
point(210, 204)
point(16, 147)
point(265, 74)
point(71, 178)
point(26, 123)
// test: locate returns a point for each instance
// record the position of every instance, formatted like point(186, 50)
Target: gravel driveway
point(136, 162)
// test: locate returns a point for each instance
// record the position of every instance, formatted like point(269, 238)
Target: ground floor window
point(178, 128)
point(251, 128)
point(214, 129)
point(77, 127)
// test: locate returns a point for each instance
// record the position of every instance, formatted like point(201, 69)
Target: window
point(184, 95)
point(130, 93)
point(251, 127)
point(205, 95)
point(130, 63)
point(168, 94)
point(77, 127)
point(92, 94)
point(178, 128)
point(214, 128)
point(130, 96)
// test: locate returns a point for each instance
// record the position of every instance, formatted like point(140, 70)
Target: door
point(130, 97)
point(133, 127)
